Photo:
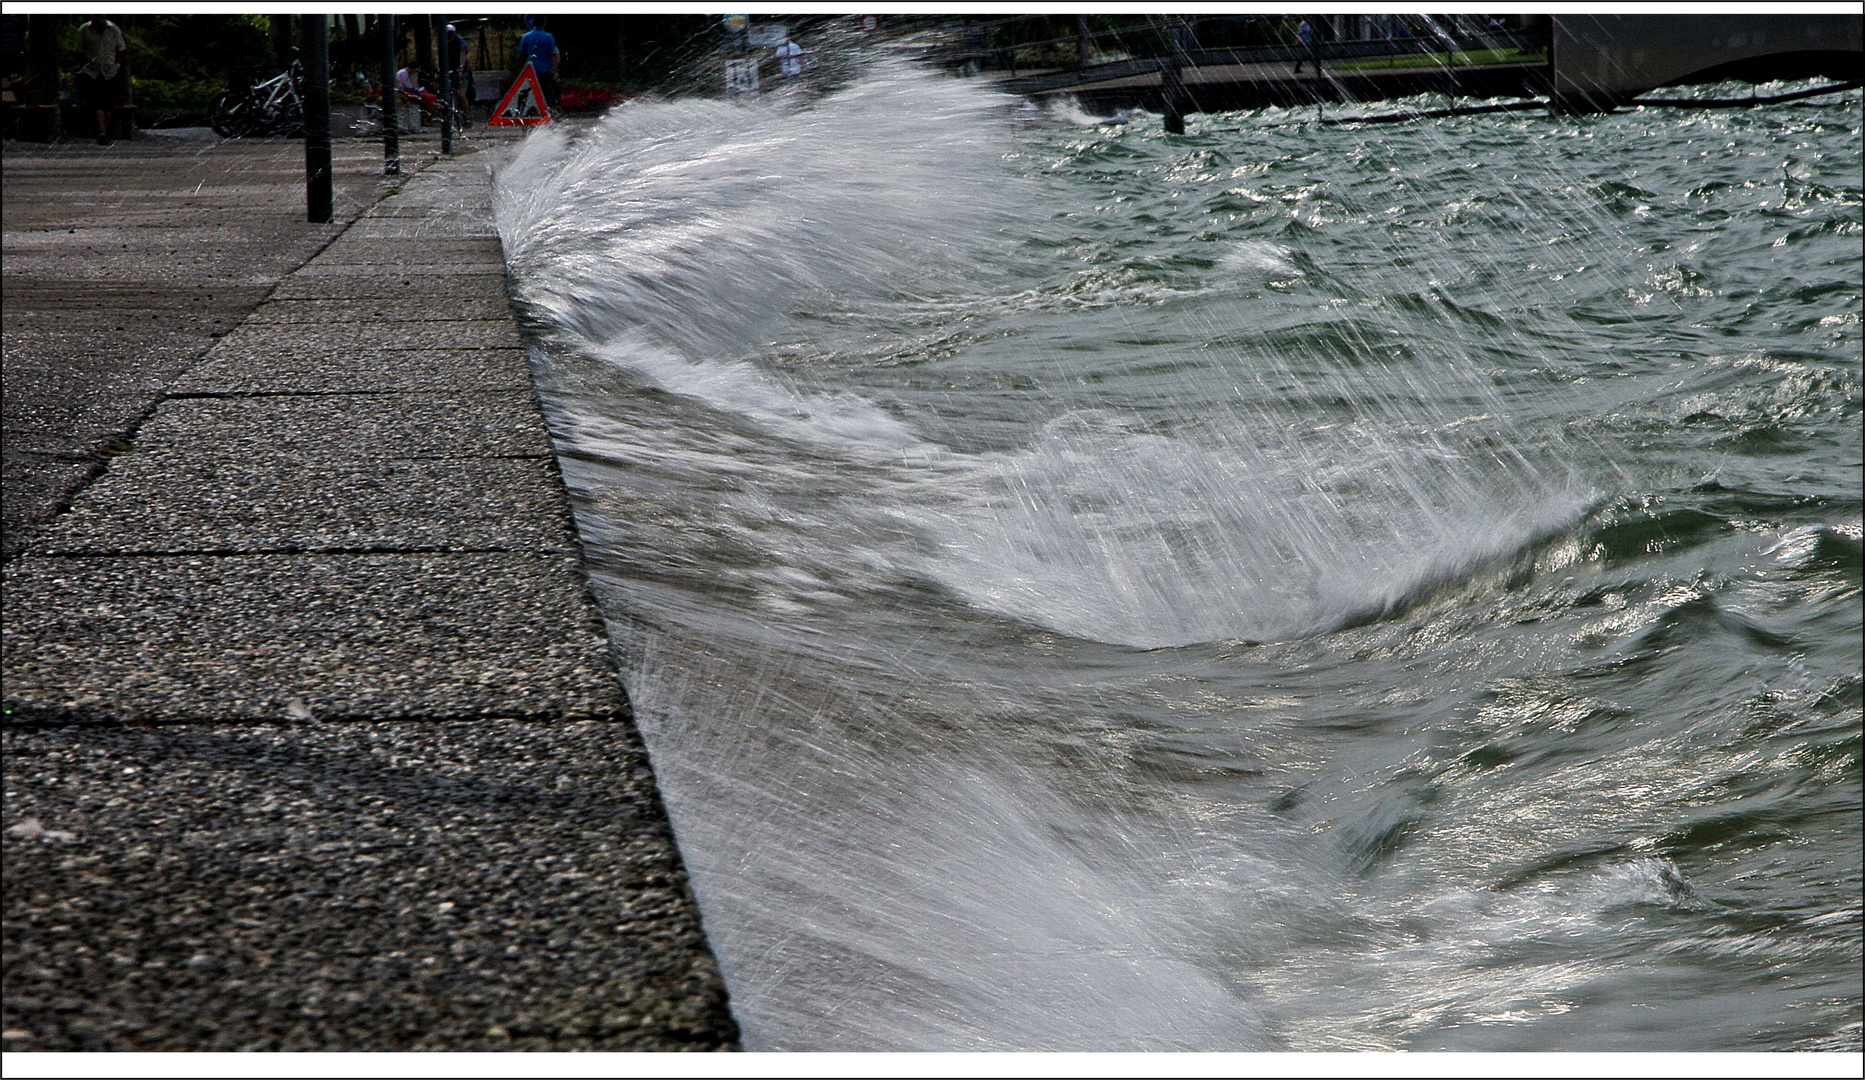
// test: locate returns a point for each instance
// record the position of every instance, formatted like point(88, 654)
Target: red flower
point(586, 99)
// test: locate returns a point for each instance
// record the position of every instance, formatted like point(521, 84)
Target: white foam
point(1131, 538)
point(845, 421)
point(1254, 260)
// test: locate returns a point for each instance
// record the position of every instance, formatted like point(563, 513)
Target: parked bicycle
point(272, 107)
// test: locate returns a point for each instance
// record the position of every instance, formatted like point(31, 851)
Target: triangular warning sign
point(523, 105)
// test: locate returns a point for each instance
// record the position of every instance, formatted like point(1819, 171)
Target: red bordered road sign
point(523, 105)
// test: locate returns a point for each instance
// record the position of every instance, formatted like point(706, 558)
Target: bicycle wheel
point(232, 115)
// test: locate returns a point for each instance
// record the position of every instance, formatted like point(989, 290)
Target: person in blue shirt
point(540, 48)
point(1306, 34)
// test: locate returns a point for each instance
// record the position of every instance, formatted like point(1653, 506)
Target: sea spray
point(1089, 590)
point(702, 224)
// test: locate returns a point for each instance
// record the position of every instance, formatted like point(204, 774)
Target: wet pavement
point(313, 736)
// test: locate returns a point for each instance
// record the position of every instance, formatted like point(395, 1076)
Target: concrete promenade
point(313, 737)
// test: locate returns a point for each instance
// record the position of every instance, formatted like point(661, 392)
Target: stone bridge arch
point(1600, 61)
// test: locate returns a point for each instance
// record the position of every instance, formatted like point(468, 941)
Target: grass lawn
point(1479, 58)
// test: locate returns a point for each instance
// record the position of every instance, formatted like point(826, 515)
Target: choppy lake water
point(1279, 587)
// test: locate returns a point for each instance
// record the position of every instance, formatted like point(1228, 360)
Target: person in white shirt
point(104, 80)
point(408, 88)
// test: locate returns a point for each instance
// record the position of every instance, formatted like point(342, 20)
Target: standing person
point(1306, 33)
point(462, 75)
point(104, 78)
point(540, 48)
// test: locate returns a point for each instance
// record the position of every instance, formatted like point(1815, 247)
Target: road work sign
point(523, 105)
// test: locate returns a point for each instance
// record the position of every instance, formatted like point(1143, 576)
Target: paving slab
point(349, 426)
point(157, 504)
point(154, 639)
point(384, 251)
point(405, 262)
point(434, 226)
point(206, 254)
point(268, 370)
point(433, 334)
point(457, 886)
point(469, 205)
point(393, 286)
point(442, 307)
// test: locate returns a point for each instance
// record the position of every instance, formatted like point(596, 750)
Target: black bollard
point(1172, 77)
point(1172, 88)
point(319, 196)
point(391, 121)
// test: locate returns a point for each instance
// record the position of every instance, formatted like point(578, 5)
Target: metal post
point(391, 115)
point(319, 196)
point(1172, 79)
point(446, 87)
point(1081, 41)
point(1172, 89)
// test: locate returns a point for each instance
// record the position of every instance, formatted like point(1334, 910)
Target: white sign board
point(741, 77)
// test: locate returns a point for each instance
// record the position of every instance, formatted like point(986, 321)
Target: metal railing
point(1048, 62)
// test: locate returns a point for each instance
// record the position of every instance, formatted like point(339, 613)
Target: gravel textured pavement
point(314, 739)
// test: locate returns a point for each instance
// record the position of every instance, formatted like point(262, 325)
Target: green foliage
point(174, 102)
point(199, 48)
point(1052, 38)
point(1474, 58)
point(1246, 32)
point(179, 63)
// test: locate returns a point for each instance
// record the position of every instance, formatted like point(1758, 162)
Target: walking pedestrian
point(1306, 34)
point(104, 80)
point(540, 48)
